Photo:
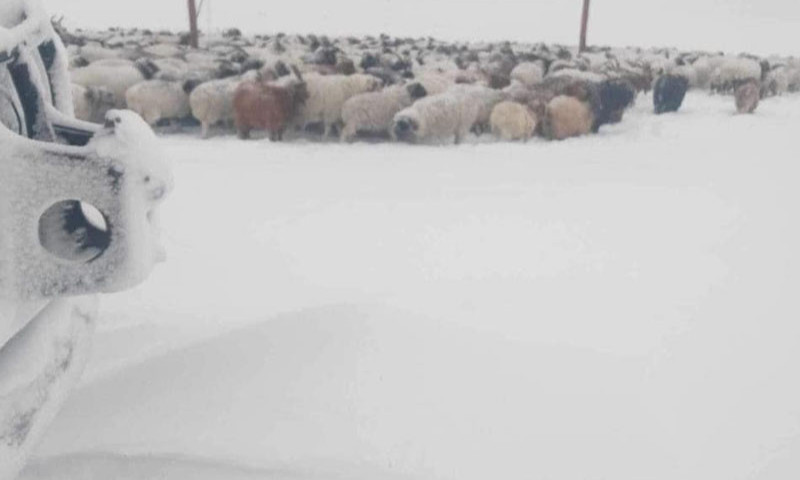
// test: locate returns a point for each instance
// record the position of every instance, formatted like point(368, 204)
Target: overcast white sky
point(759, 26)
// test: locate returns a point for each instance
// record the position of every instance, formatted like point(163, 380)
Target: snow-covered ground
point(620, 306)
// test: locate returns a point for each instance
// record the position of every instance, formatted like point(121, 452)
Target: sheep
point(527, 73)
point(485, 98)
point(327, 94)
point(733, 72)
point(212, 102)
point(567, 117)
point(117, 76)
point(776, 82)
point(269, 106)
point(157, 100)
point(436, 117)
point(615, 97)
point(747, 96)
point(94, 51)
point(434, 83)
point(375, 111)
point(669, 92)
point(512, 121)
point(91, 103)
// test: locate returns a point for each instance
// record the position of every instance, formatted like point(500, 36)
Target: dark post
point(584, 25)
point(193, 36)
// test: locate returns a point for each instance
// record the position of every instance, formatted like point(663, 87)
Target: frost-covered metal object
point(78, 217)
point(77, 200)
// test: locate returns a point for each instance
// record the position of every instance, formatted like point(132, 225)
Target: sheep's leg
point(348, 133)
point(327, 132)
point(205, 130)
point(243, 133)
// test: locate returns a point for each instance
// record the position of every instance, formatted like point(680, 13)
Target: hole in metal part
point(74, 231)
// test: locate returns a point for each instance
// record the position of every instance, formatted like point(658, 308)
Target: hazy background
point(759, 26)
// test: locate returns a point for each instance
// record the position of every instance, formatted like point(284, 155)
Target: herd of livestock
point(417, 90)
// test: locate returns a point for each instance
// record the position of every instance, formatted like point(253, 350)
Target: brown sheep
point(747, 95)
point(565, 117)
point(270, 106)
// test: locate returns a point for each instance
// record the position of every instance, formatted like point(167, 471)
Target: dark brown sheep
point(269, 106)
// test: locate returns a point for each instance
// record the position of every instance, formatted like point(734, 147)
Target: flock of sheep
point(400, 89)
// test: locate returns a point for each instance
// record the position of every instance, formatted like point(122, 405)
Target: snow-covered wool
point(157, 100)
point(567, 117)
point(518, 92)
point(94, 51)
point(327, 94)
point(747, 96)
point(374, 111)
point(434, 83)
point(669, 92)
point(436, 118)
point(512, 121)
point(776, 82)
point(552, 87)
point(579, 75)
point(164, 50)
point(734, 71)
point(116, 77)
point(91, 103)
point(269, 106)
point(484, 97)
point(527, 73)
point(212, 102)
point(688, 72)
point(172, 69)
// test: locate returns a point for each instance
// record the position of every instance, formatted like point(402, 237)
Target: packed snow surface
point(620, 306)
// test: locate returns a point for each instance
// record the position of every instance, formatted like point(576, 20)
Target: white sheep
point(155, 100)
point(484, 97)
point(91, 103)
point(116, 75)
point(327, 94)
point(374, 111)
point(164, 50)
point(212, 102)
point(436, 118)
point(434, 82)
point(512, 121)
point(94, 51)
point(578, 75)
point(527, 73)
point(734, 71)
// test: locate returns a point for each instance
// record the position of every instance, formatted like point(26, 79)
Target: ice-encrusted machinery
point(78, 205)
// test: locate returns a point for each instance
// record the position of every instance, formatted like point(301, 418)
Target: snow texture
point(617, 306)
point(38, 368)
point(121, 172)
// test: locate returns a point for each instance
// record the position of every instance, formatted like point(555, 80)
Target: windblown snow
point(617, 306)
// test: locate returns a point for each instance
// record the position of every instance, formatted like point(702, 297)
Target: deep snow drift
point(618, 306)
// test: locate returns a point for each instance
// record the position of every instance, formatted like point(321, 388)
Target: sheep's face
point(405, 129)
point(416, 91)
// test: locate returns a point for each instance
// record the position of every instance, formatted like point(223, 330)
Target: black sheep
point(669, 92)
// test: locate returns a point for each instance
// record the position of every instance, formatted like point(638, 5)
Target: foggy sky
point(758, 26)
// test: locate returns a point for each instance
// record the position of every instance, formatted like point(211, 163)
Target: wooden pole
point(193, 35)
point(584, 25)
